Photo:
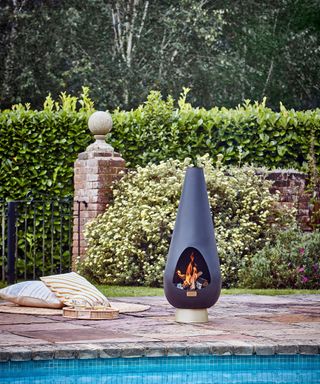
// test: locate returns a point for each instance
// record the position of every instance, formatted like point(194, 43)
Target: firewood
point(199, 274)
point(182, 276)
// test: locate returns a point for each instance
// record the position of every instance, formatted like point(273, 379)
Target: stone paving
point(238, 324)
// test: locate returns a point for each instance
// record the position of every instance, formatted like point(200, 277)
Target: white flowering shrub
point(128, 244)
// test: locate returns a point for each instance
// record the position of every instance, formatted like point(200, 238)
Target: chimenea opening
point(192, 273)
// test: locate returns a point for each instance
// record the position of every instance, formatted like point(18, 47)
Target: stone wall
point(292, 187)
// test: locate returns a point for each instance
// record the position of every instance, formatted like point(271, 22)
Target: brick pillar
point(94, 171)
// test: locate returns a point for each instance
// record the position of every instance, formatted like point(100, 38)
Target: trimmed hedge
point(251, 133)
point(37, 151)
point(38, 148)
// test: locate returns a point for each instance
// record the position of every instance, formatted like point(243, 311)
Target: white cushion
point(31, 294)
point(73, 289)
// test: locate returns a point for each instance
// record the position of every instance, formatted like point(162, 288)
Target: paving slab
point(11, 339)
point(40, 327)
point(13, 318)
point(238, 324)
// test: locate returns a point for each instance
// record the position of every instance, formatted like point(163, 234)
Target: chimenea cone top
point(194, 210)
point(193, 236)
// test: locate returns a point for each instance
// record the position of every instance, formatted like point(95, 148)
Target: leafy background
point(250, 133)
point(38, 147)
point(128, 243)
point(224, 50)
point(38, 150)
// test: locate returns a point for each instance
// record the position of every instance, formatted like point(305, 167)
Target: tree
point(277, 46)
point(225, 51)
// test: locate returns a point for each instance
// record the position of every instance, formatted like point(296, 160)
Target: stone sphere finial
point(100, 123)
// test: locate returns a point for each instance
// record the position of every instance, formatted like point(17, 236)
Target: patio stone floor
point(238, 324)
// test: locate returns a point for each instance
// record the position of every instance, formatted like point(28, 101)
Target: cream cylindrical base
point(191, 315)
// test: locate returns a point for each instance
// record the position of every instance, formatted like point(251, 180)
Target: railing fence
point(36, 237)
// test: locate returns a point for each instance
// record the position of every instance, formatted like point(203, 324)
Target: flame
point(191, 275)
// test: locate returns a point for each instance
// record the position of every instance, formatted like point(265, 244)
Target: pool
point(280, 369)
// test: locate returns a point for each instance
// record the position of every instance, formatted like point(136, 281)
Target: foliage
point(43, 236)
point(129, 242)
point(225, 50)
point(251, 133)
point(38, 148)
point(270, 45)
point(313, 186)
point(291, 261)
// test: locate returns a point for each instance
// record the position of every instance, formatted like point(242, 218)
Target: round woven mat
point(128, 307)
point(13, 308)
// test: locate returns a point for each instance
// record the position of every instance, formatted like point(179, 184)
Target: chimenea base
point(184, 315)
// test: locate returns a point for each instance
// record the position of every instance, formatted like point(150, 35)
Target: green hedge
point(37, 151)
point(251, 133)
point(38, 148)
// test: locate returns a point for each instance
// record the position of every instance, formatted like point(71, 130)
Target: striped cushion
point(73, 289)
point(31, 294)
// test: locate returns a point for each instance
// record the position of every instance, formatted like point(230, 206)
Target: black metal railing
point(36, 238)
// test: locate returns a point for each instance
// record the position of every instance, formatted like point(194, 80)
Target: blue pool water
point(278, 369)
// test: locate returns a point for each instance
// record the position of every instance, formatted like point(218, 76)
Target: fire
point(190, 278)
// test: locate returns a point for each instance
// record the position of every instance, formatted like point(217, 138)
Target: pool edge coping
point(150, 349)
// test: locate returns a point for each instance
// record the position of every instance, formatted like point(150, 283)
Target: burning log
point(191, 277)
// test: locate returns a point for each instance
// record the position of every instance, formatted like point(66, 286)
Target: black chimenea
point(192, 279)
